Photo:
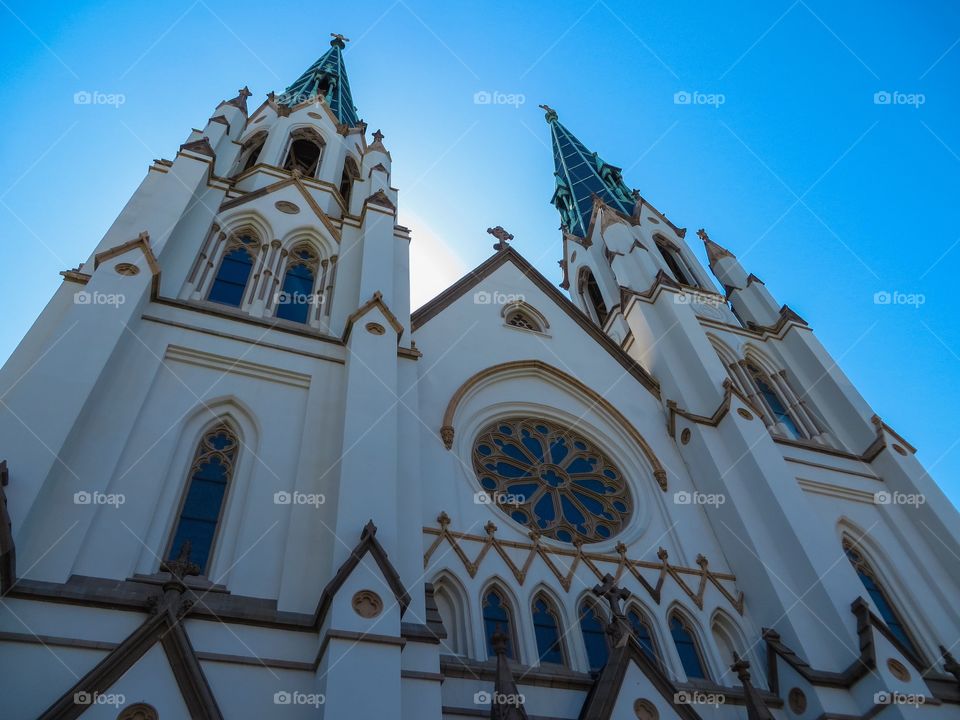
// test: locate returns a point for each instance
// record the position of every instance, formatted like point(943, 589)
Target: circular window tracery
point(551, 479)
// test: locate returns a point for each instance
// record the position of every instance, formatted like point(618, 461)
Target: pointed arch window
point(766, 387)
point(297, 297)
point(498, 617)
point(671, 256)
point(685, 641)
point(350, 173)
point(304, 152)
point(643, 631)
point(879, 596)
point(230, 283)
point(251, 151)
point(210, 476)
point(546, 627)
point(593, 629)
point(592, 297)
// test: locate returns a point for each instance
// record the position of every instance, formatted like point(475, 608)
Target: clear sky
point(827, 193)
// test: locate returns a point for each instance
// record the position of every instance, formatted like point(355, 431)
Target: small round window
point(552, 479)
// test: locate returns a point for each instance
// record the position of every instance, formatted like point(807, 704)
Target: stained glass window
point(234, 272)
point(594, 635)
point(890, 616)
point(644, 633)
point(687, 649)
point(547, 629)
point(772, 398)
point(551, 479)
point(297, 298)
point(209, 475)
point(497, 618)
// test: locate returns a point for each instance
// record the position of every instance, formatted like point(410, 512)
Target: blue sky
point(825, 194)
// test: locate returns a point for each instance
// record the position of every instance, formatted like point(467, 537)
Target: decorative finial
point(550, 113)
point(339, 40)
point(244, 92)
point(378, 136)
point(702, 234)
point(502, 236)
point(181, 566)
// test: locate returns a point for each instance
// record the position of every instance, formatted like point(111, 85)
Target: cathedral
point(241, 478)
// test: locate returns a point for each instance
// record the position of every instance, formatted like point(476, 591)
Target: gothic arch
point(453, 602)
point(648, 619)
point(234, 413)
point(676, 260)
point(592, 619)
point(731, 363)
point(571, 384)
point(783, 411)
point(890, 582)
point(304, 150)
point(535, 319)
point(679, 612)
point(727, 640)
point(542, 592)
point(250, 150)
point(510, 601)
point(591, 295)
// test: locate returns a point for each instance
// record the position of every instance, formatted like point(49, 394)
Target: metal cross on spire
point(338, 38)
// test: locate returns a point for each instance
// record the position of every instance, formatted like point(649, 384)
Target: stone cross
point(612, 594)
point(502, 235)
point(181, 567)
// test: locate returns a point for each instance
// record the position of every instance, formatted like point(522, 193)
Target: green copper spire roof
point(580, 175)
point(326, 77)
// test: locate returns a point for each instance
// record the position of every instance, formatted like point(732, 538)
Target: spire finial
point(244, 92)
point(550, 113)
point(502, 236)
point(714, 251)
point(339, 40)
point(378, 136)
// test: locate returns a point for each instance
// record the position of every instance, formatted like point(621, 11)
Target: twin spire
point(326, 78)
point(581, 174)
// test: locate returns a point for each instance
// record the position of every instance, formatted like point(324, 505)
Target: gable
point(481, 285)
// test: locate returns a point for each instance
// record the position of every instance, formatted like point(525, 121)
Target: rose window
point(551, 479)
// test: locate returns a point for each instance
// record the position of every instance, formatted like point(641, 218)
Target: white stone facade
point(368, 412)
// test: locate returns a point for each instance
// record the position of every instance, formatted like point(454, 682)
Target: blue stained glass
point(547, 632)
point(231, 281)
point(297, 294)
point(644, 635)
point(570, 512)
point(558, 450)
point(686, 649)
point(545, 509)
point(534, 446)
point(879, 597)
point(496, 617)
point(581, 465)
point(589, 503)
point(523, 458)
point(594, 637)
point(591, 484)
point(204, 497)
